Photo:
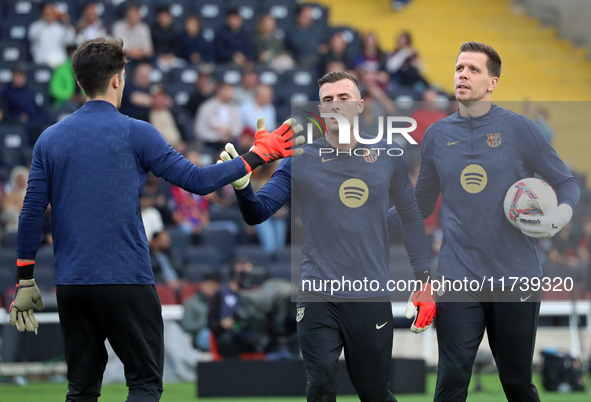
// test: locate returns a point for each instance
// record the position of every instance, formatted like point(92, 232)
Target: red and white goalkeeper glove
point(278, 144)
point(423, 304)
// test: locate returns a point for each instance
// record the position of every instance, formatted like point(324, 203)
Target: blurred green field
point(52, 392)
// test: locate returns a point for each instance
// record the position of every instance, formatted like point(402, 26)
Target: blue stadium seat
point(15, 28)
point(196, 271)
point(211, 12)
point(254, 253)
point(223, 240)
point(180, 93)
point(7, 280)
point(45, 257)
point(40, 74)
point(229, 74)
point(319, 14)
point(350, 36)
point(204, 255)
point(13, 51)
point(248, 10)
point(280, 270)
point(14, 150)
point(179, 241)
point(44, 277)
point(186, 75)
point(268, 76)
point(282, 11)
point(9, 240)
point(67, 6)
point(22, 8)
point(5, 73)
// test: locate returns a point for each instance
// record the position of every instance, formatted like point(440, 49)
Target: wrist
point(24, 270)
point(252, 161)
point(423, 276)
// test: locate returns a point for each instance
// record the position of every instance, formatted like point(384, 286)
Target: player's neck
point(107, 98)
point(475, 108)
point(333, 139)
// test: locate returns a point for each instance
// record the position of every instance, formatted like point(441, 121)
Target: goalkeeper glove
point(270, 146)
point(229, 154)
point(547, 225)
point(27, 295)
point(423, 304)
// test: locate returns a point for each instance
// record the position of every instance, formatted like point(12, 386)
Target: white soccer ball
point(528, 196)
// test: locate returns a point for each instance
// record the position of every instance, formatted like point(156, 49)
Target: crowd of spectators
point(202, 76)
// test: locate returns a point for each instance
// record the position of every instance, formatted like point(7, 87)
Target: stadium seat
point(212, 14)
point(180, 93)
point(254, 253)
point(280, 270)
point(179, 241)
point(15, 28)
point(204, 255)
point(213, 349)
point(14, 149)
point(184, 75)
point(45, 257)
point(350, 36)
point(9, 238)
point(268, 76)
point(67, 6)
point(7, 257)
point(22, 9)
point(229, 74)
point(13, 51)
point(319, 14)
point(223, 240)
point(196, 270)
point(8, 296)
point(7, 279)
point(282, 11)
point(166, 294)
point(40, 74)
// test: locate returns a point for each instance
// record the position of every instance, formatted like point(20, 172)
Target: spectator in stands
point(260, 106)
point(204, 88)
point(150, 216)
point(167, 42)
point(427, 114)
point(137, 97)
point(335, 65)
point(269, 47)
point(248, 85)
point(20, 106)
point(272, 232)
point(90, 26)
point(168, 267)
point(195, 310)
point(50, 35)
point(224, 318)
point(233, 43)
point(404, 64)
point(337, 51)
point(371, 57)
point(218, 119)
point(12, 204)
point(137, 40)
point(305, 40)
point(63, 87)
point(190, 211)
point(162, 118)
point(196, 49)
point(158, 198)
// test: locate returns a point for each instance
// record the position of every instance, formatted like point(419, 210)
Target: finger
point(12, 315)
point(291, 122)
point(410, 310)
point(225, 156)
point(31, 322)
point(297, 141)
point(298, 129)
point(231, 150)
point(28, 321)
point(219, 161)
point(297, 152)
point(261, 124)
point(19, 321)
point(40, 304)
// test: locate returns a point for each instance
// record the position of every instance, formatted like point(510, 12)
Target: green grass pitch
point(51, 392)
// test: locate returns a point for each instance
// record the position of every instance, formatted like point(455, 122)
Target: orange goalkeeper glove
point(270, 146)
point(421, 301)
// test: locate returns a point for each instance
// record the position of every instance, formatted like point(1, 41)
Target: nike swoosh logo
point(328, 160)
point(524, 299)
point(381, 326)
point(449, 144)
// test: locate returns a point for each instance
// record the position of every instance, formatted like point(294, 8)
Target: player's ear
point(493, 84)
point(360, 106)
point(115, 81)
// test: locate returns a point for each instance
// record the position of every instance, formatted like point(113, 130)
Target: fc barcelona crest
point(493, 140)
point(370, 155)
point(300, 313)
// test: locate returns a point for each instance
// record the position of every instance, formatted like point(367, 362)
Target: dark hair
point(96, 61)
point(162, 9)
point(337, 76)
point(44, 5)
point(232, 11)
point(493, 62)
point(212, 276)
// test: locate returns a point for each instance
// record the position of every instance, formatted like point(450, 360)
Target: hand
point(421, 301)
point(270, 146)
point(229, 154)
point(227, 323)
point(547, 225)
point(21, 309)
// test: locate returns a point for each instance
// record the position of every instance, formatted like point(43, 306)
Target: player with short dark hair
point(91, 167)
point(346, 237)
point(472, 157)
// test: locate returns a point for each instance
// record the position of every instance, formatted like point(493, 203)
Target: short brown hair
point(493, 62)
point(335, 76)
point(96, 61)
